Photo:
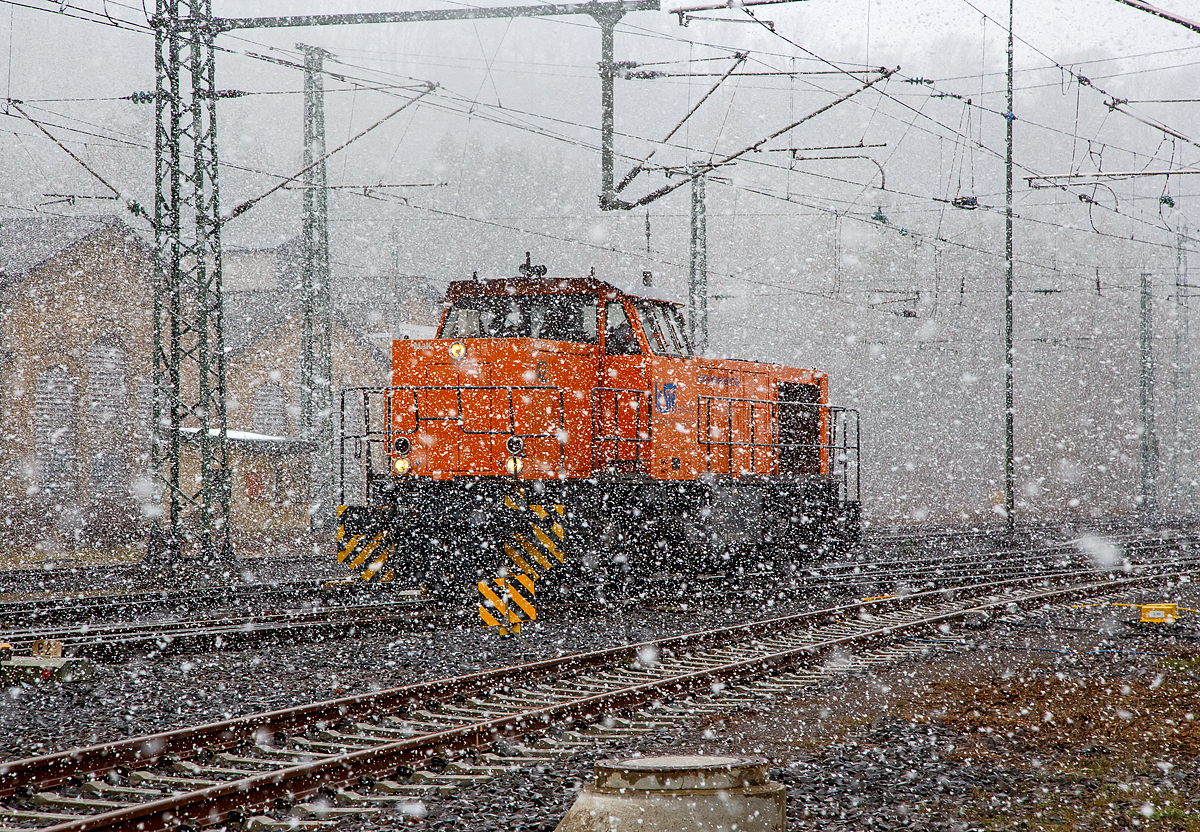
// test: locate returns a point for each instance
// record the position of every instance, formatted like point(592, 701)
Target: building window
point(108, 406)
point(270, 409)
point(108, 474)
point(107, 397)
point(273, 485)
point(144, 414)
point(55, 452)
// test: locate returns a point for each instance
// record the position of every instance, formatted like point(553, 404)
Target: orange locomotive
point(587, 406)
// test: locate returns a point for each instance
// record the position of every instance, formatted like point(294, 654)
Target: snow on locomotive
point(562, 423)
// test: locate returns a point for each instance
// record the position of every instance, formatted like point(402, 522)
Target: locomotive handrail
point(630, 412)
point(458, 417)
point(378, 434)
point(832, 417)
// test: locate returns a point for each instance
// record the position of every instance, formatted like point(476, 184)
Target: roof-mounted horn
point(530, 270)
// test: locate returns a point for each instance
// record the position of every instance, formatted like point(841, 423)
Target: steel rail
point(1129, 539)
point(107, 641)
point(83, 605)
point(1132, 524)
point(920, 574)
point(963, 567)
point(90, 604)
point(157, 638)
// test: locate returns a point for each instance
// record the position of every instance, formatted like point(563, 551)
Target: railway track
point(966, 560)
point(930, 570)
point(81, 608)
point(362, 753)
point(117, 640)
point(95, 605)
point(886, 537)
point(319, 612)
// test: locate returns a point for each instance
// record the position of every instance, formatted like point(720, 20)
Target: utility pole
point(1149, 447)
point(1182, 463)
point(607, 18)
point(188, 448)
point(698, 270)
point(398, 298)
point(1009, 503)
point(316, 352)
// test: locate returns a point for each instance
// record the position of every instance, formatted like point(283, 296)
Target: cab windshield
point(553, 317)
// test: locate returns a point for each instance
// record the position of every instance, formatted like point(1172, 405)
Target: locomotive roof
point(529, 286)
point(533, 286)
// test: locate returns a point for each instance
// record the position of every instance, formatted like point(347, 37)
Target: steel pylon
point(190, 509)
point(190, 506)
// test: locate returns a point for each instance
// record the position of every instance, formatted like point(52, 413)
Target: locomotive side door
point(622, 402)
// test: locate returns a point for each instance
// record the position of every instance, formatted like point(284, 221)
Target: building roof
point(28, 242)
point(249, 316)
point(253, 318)
point(528, 286)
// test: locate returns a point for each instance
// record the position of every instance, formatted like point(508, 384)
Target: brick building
point(76, 333)
point(76, 327)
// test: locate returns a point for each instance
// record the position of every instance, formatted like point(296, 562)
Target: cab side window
point(618, 334)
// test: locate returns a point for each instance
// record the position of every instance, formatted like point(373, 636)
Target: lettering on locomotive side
point(720, 381)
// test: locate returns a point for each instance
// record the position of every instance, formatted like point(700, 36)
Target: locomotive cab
point(571, 393)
